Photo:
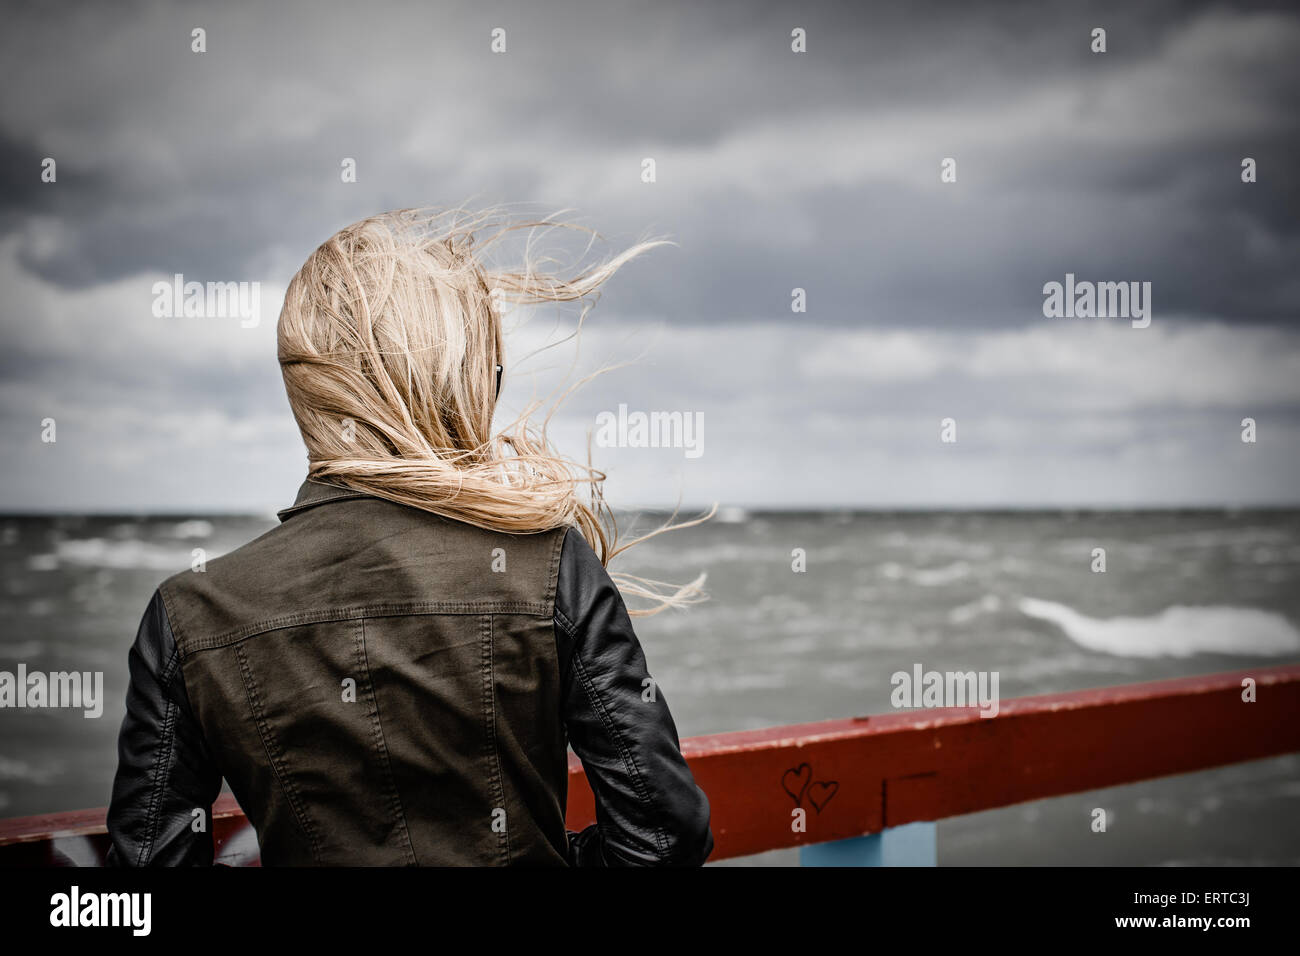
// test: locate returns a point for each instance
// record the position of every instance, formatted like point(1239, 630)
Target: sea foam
point(1178, 631)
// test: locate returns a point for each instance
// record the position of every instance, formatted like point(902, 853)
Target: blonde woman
point(391, 675)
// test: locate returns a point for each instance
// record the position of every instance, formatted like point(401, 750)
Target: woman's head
point(389, 341)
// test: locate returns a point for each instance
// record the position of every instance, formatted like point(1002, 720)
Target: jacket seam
point(173, 620)
point(381, 746)
point(553, 570)
point(629, 760)
point(570, 629)
point(274, 756)
point(492, 752)
point(323, 615)
point(161, 774)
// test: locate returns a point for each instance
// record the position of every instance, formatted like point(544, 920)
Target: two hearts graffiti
point(798, 783)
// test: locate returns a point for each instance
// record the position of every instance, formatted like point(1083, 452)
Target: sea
point(808, 616)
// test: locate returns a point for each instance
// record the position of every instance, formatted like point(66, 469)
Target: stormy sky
point(775, 170)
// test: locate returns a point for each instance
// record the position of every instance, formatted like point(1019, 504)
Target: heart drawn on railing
point(820, 793)
point(798, 782)
point(802, 775)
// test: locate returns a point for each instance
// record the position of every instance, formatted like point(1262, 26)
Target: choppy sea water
point(1183, 593)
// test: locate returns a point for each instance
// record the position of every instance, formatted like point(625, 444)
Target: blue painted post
point(914, 844)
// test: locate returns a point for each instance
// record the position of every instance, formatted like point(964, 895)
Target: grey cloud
point(227, 164)
point(775, 171)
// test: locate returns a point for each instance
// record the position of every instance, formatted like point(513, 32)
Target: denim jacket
point(383, 686)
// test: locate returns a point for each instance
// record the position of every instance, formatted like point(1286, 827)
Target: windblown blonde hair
point(388, 342)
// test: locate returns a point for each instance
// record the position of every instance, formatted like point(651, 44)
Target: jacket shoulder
point(360, 556)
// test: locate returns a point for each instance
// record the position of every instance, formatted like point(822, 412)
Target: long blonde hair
point(388, 343)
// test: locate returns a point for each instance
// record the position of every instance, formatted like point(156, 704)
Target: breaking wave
point(1177, 631)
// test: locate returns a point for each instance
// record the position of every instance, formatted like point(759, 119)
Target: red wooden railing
point(863, 774)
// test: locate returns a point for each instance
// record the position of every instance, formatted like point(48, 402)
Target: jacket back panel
point(380, 685)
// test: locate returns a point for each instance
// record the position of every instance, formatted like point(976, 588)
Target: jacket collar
point(313, 493)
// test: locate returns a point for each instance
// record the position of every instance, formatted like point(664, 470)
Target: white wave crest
point(103, 553)
point(926, 577)
point(1176, 631)
point(192, 529)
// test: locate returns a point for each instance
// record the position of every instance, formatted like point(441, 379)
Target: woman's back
point(411, 708)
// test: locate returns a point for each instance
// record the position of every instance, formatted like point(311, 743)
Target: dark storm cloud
point(775, 171)
point(227, 163)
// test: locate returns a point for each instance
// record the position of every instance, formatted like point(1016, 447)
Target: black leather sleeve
point(164, 769)
point(649, 810)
